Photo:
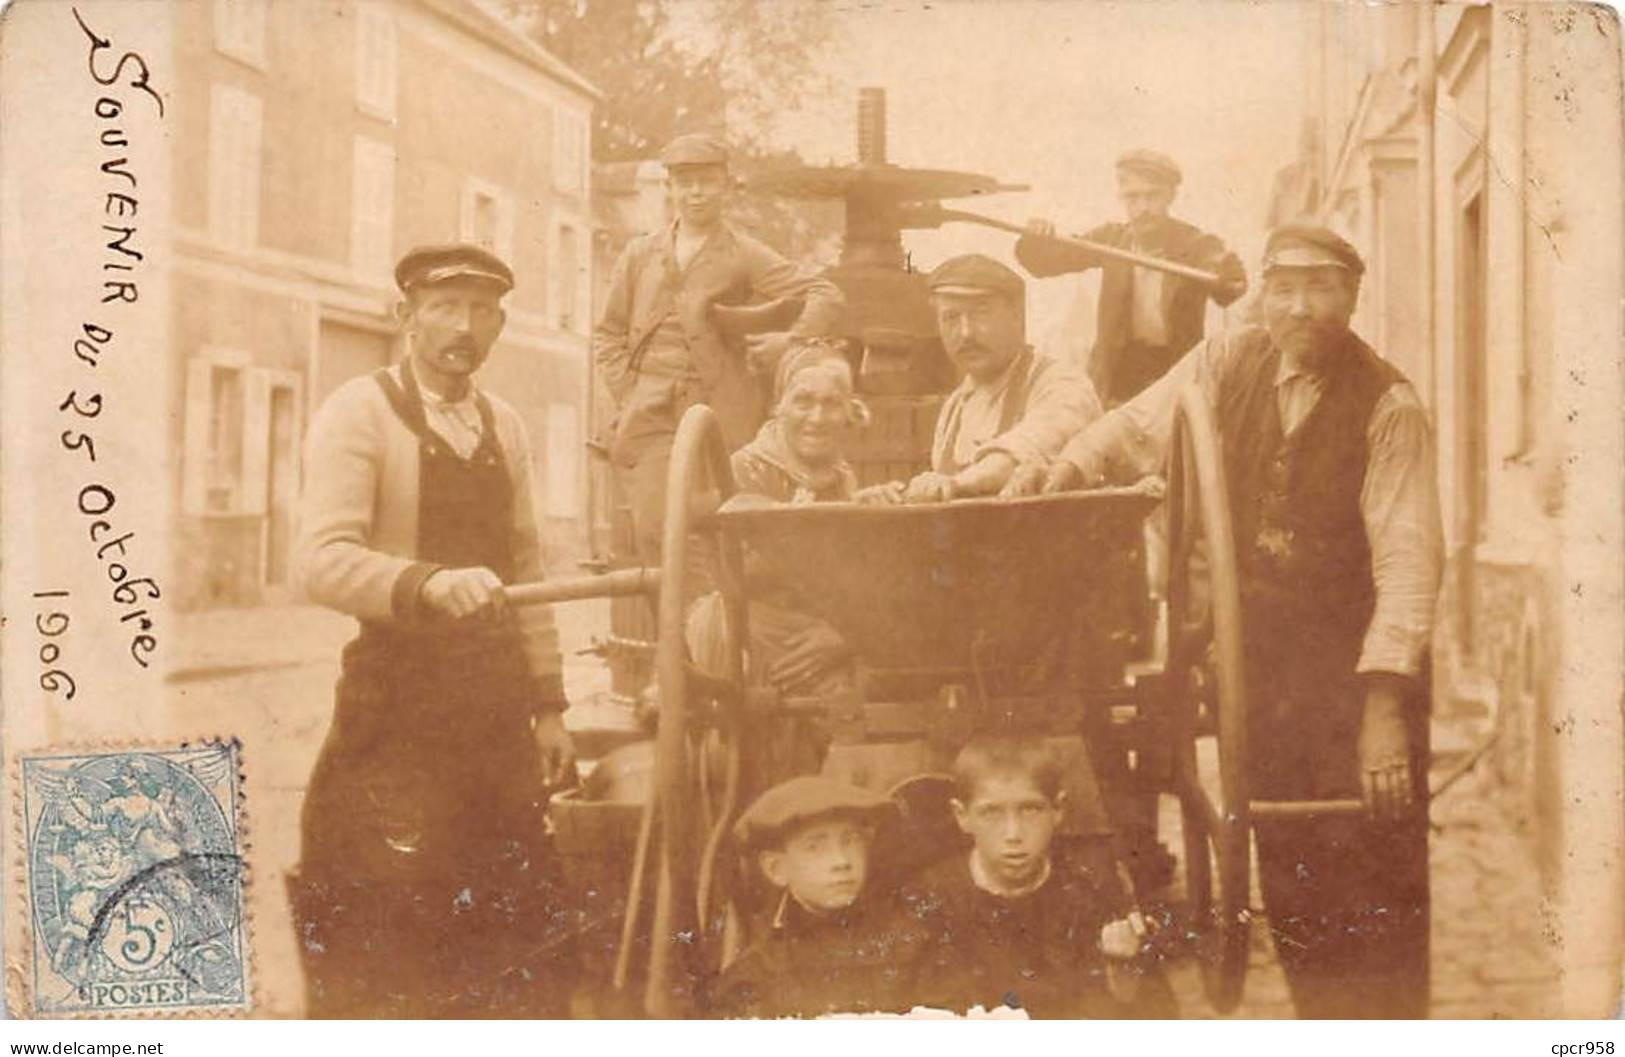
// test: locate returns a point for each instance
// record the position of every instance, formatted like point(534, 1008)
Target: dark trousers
point(1346, 896)
point(403, 949)
point(1347, 901)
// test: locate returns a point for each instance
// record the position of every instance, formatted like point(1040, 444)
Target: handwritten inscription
point(124, 81)
point(51, 624)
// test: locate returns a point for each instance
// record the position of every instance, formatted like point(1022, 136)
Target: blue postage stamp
point(135, 881)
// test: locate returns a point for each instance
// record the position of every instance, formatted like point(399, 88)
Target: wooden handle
point(1303, 808)
point(1143, 260)
point(643, 580)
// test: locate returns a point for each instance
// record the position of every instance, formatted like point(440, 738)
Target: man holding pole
point(426, 886)
point(1148, 317)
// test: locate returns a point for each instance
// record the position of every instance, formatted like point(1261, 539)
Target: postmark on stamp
point(134, 865)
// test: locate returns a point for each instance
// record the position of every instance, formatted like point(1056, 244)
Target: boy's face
point(1011, 822)
point(823, 863)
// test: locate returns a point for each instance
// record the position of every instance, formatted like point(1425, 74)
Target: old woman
point(796, 457)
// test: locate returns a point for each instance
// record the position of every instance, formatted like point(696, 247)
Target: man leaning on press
point(1329, 461)
point(660, 344)
point(1014, 404)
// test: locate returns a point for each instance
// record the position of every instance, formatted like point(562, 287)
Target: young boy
point(1009, 926)
point(830, 947)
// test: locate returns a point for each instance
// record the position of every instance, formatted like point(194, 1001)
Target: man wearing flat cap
point(1146, 319)
point(1013, 407)
point(660, 344)
point(1329, 462)
point(425, 887)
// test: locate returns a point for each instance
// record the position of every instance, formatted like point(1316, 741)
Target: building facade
point(315, 143)
point(1473, 154)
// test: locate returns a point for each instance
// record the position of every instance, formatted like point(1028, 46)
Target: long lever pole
point(932, 215)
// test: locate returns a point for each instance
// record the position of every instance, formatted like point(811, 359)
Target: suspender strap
point(407, 403)
point(1015, 397)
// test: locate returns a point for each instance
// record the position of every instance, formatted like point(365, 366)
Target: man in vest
point(1330, 467)
point(1146, 319)
point(1013, 407)
point(658, 344)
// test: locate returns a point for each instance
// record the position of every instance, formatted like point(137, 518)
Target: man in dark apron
point(426, 886)
point(1329, 461)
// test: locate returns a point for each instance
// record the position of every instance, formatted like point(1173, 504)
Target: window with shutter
point(372, 208)
point(376, 59)
point(487, 217)
point(235, 118)
point(569, 152)
point(239, 30)
point(566, 278)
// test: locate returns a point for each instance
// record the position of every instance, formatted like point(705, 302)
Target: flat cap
point(974, 273)
point(1310, 246)
point(1151, 164)
point(695, 148)
point(452, 260)
point(804, 799)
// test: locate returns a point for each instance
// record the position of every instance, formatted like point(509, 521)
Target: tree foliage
point(732, 67)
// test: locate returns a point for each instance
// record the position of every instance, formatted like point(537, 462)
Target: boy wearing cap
point(1014, 406)
point(1329, 461)
point(829, 948)
point(425, 888)
point(1009, 924)
point(1146, 319)
point(658, 346)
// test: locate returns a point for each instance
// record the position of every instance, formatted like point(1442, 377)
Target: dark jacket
point(731, 268)
point(806, 965)
point(1120, 367)
point(1039, 952)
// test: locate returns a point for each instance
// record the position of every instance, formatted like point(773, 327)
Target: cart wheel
point(1209, 693)
point(697, 479)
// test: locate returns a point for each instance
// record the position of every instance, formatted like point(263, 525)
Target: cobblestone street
point(267, 676)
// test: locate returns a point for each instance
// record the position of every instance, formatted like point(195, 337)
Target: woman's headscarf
point(814, 353)
point(770, 444)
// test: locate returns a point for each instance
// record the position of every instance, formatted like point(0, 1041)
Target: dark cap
point(695, 148)
point(1310, 246)
point(454, 260)
point(975, 274)
point(805, 799)
point(1153, 165)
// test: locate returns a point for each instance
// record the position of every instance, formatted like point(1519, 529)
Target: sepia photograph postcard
point(773, 509)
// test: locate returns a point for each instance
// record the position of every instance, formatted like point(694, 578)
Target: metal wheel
point(697, 480)
point(1206, 681)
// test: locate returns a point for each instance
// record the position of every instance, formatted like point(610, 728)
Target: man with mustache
point(1329, 463)
point(1146, 319)
point(426, 887)
point(658, 345)
point(1013, 407)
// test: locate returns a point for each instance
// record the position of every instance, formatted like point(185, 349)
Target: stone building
point(314, 143)
point(1473, 154)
